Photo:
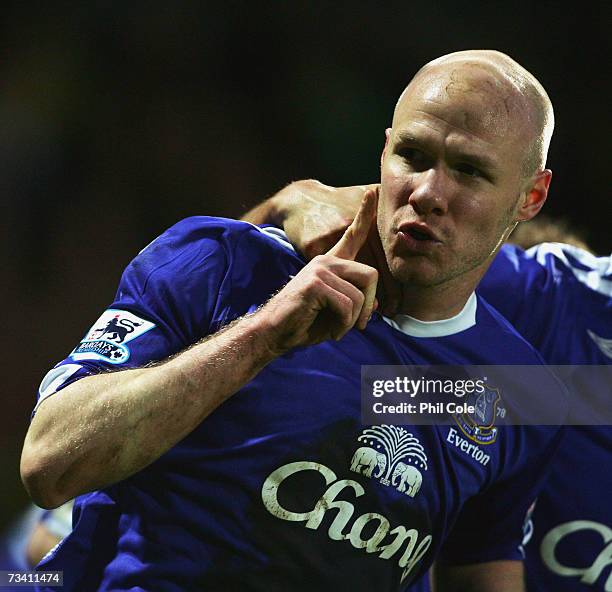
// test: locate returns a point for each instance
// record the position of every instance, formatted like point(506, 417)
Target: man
point(32, 535)
point(563, 306)
point(559, 296)
point(238, 463)
point(14, 541)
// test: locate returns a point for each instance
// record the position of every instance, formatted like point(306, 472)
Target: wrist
point(265, 333)
point(293, 198)
point(283, 203)
point(260, 334)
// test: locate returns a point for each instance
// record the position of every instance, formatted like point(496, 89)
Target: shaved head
point(506, 98)
point(463, 161)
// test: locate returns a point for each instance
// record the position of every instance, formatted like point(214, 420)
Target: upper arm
point(168, 297)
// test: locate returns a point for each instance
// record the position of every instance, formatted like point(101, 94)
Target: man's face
point(450, 175)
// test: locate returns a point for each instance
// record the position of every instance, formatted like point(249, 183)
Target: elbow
point(39, 479)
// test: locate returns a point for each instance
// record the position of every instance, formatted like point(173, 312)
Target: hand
point(330, 295)
point(315, 216)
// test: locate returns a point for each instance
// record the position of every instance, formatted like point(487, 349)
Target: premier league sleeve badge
point(108, 338)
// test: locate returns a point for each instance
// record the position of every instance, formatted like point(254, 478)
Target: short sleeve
point(510, 280)
point(524, 284)
point(490, 525)
point(170, 296)
point(557, 296)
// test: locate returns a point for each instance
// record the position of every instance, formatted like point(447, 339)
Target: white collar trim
point(415, 328)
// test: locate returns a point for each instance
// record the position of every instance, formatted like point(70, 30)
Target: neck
point(435, 303)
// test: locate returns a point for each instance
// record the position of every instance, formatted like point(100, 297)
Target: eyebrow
point(480, 161)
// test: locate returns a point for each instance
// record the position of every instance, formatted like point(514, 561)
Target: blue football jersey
point(560, 298)
point(282, 487)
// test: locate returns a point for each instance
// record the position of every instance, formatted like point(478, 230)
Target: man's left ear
point(534, 197)
point(387, 137)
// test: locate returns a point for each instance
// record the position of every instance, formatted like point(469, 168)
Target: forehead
point(468, 99)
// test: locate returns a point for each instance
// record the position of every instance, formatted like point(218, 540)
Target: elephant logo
point(366, 459)
point(410, 479)
point(393, 456)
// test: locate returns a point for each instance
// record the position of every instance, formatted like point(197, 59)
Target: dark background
point(117, 121)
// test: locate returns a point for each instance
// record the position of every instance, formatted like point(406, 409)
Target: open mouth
point(418, 232)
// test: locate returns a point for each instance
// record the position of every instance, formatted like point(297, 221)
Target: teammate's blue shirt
point(272, 491)
point(559, 298)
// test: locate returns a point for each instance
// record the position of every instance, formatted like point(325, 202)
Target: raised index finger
point(356, 235)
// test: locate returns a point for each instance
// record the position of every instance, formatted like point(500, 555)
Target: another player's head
point(464, 161)
point(547, 230)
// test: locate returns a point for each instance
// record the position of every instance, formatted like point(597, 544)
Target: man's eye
point(417, 159)
point(469, 170)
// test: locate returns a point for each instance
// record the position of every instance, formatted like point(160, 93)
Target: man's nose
point(430, 192)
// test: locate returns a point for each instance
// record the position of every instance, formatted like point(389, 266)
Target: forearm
point(104, 428)
point(290, 199)
point(269, 211)
point(491, 576)
point(313, 215)
point(307, 196)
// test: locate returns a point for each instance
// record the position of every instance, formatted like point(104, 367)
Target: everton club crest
point(479, 426)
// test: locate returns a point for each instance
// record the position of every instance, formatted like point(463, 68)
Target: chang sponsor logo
point(604, 344)
point(589, 574)
point(397, 543)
